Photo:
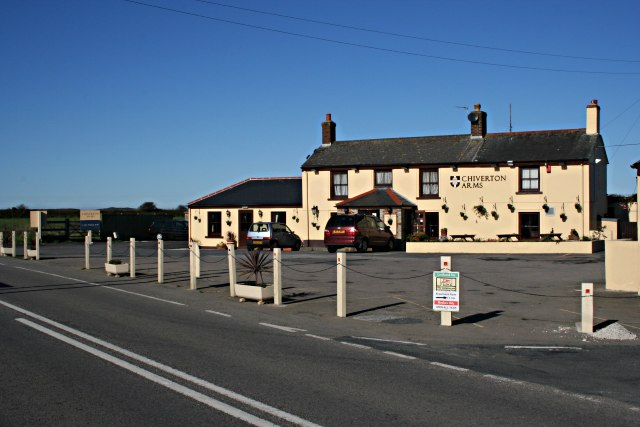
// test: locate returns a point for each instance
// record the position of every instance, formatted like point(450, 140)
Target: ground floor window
point(280, 217)
point(529, 225)
point(214, 224)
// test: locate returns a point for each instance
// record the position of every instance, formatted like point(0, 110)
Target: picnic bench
point(507, 237)
point(551, 236)
point(463, 237)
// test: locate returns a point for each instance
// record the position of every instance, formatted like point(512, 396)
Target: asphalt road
point(81, 348)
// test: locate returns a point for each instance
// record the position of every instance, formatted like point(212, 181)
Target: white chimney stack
point(593, 118)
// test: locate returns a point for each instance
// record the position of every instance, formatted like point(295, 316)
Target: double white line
point(165, 382)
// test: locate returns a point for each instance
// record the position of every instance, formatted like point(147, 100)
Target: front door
point(529, 225)
point(246, 219)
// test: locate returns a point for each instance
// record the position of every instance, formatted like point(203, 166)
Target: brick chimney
point(593, 118)
point(478, 119)
point(328, 131)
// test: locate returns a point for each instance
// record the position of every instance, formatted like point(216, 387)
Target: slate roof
point(535, 146)
point(378, 197)
point(284, 192)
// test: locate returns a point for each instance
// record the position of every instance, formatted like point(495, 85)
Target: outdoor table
point(507, 237)
point(463, 237)
point(551, 236)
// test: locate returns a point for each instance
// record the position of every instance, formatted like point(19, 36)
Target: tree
point(148, 207)
point(181, 208)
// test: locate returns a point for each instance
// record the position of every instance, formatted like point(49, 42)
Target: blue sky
point(112, 103)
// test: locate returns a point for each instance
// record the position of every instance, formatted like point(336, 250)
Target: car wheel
point(296, 246)
point(332, 249)
point(363, 246)
point(390, 245)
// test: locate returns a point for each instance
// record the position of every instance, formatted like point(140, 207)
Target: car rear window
point(341, 221)
point(259, 227)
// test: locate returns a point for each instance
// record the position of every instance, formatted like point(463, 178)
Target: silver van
point(269, 235)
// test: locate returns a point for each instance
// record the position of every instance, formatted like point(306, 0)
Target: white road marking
point(351, 344)
point(157, 365)
point(318, 337)
point(444, 365)
point(539, 347)
point(390, 341)
point(503, 379)
point(218, 313)
point(202, 398)
point(283, 328)
point(101, 286)
point(403, 356)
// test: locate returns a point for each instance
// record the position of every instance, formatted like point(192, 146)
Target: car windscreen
point(341, 221)
point(259, 227)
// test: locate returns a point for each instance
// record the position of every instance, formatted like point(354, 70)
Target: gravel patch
point(615, 331)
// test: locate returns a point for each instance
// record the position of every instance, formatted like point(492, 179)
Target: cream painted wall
point(562, 188)
point(198, 222)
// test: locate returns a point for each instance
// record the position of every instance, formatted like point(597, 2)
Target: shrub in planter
point(495, 215)
point(254, 264)
point(545, 207)
point(464, 216)
point(511, 208)
point(445, 208)
point(578, 207)
point(563, 217)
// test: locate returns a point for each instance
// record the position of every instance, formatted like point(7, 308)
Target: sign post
point(446, 294)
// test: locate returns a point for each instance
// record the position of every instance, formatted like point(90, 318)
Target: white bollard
point(132, 257)
point(342, 284)
point(586, 325)
point(197, 258)
point(13, 244)
point(231, 251)
point(160, 261)
point(193, 281)
point(38, 245)
point(109, 249)
point(445, 318)
point(25, 245)
point(1, 243)
point(87, 242)
point(277, 276)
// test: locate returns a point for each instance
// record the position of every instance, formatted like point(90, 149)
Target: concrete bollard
point(132, 257)
point(87, 255)
point(196, 255)
point(13, 244)
point(160, 261)
point(342, 284)
point(25, 244)
point(1, 243)
point(231, 251)
point(38, 245)
point(586, 325)
point(109, 249)
point(277, 276)
point(193, 281)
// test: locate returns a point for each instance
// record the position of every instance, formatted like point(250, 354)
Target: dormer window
point(383, 178)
